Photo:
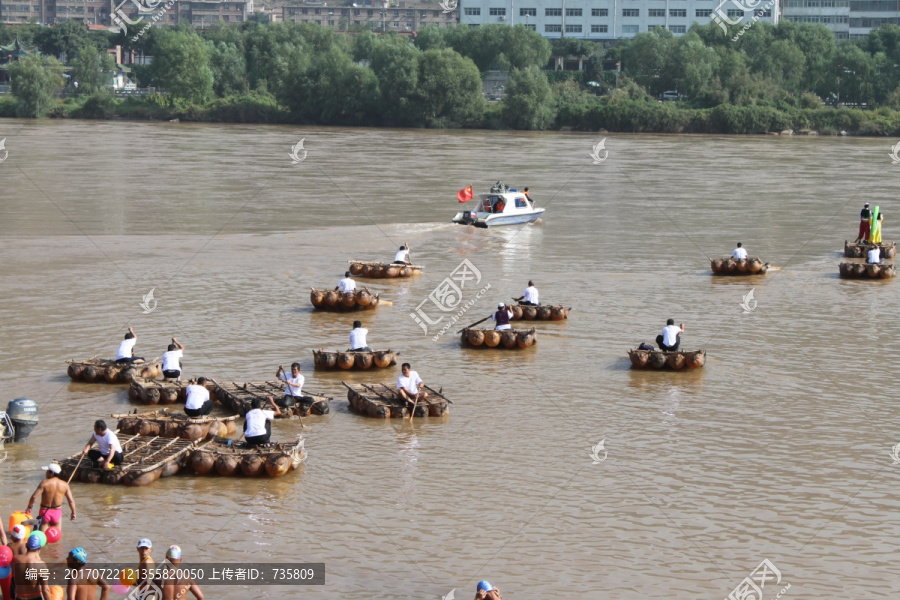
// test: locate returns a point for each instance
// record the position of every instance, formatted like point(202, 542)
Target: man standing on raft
point(864, 216)
point(670, 338)
point(52, 490)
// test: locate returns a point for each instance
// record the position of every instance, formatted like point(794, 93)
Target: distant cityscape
point(583, 19)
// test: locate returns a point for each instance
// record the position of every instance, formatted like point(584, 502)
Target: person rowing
point(874, 256)
point(402, 256)
point(197, 403)
point(171, 361)
point(125, 353)
point(530, 296)
point(293, 385)
point(740, 253)
point(410, 386)
point(670, 338)
point(258, 422)
point(346, 285)
point(52, 491)
point(501, 318)
point(358, 338)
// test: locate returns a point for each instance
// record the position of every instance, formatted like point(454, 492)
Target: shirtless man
point(81, 585)
point(17, 543)
point(174, 588)
point(31, 589)
point(52, 490)
point(145, 561)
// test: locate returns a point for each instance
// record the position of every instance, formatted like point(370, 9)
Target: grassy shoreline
point(631, 116)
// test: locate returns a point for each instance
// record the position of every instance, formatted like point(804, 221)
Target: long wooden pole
point(76, 468)
point(474, 324)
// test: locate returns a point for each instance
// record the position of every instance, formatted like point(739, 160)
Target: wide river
point(779, 449)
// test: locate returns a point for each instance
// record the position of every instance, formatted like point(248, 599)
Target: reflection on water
point(773, 450)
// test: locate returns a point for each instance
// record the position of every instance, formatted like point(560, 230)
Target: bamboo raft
point(888, 249)
point(150, 391)
point(146, 460)
point(165, 424)
point(554, 312)
point(99, 370)
point(375, 270)
point(334, 300)
point(383, 402)
point(851, 270)
point(274, 459)
point(351, 359)
point(239, 398)
point(661, 359)
point(743, 266)
point(490, 338)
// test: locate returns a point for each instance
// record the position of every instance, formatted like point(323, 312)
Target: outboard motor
point(23, 412)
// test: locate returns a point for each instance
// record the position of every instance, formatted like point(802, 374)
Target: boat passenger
point(346, 285)
point(410, 385)
point(176, 586)
point(171, 360)
point(31, 588)
point(874, 257)
point(110, 452)
point(258, 422)
point(126, 349)
point(197, 403)
point(293, 385)
point(875, 235)
point(402, 256)
point(358, 338)
point(502, 317)
point(864, 215)
point(82, 583)
point(527, 195)
point(740, 252)
point(499, 205)
point(485, 591)
point(52, 491)
point(670, 338)
point(530, 295)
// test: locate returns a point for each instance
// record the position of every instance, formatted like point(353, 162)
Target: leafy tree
point(431, 37)
point(529, 100)
point(69, 37)
point(92, 69)
point(449, 89)
point(397, 70)
point(693, 65)
point(572, 47)
point(229, 69)
point(181, 66)
point(523, 48)
point(34, 81)
point(645, 59)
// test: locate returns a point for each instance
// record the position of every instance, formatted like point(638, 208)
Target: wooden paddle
point(76, 468)
point(474, 324)
point(415, 404)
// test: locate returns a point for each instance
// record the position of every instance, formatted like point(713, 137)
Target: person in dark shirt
point(864, 216)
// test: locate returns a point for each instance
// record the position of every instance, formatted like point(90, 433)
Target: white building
point(611, 19)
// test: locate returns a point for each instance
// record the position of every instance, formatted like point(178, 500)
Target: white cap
point(145, 543)
point(53, 468)
point(18, 532)
point(500, 305)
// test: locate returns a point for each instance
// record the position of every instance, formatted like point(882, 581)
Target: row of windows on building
point(604, 12)
point(394, 24)
point(827, 19)
point(818, 3)
point(357, 12)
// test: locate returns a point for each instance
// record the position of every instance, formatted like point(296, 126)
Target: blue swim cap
point(34, 541)
point(79, 554)
point(485, 585)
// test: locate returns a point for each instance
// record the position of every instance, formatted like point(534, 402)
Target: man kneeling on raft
point(410, 386)
point(110, 452)
point(52, 490)
point(258, 422)
point(670, 338)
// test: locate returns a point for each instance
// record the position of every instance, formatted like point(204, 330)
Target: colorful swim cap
point(18, 532)
point(173, 552)
point(485, 585)
point(79, 554)
point(34, 541)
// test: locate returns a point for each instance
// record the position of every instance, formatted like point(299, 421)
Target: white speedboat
point(501, 206)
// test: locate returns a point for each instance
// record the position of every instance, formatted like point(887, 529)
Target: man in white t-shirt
point(293, 385)
point(670, 338)
point(125, 353)
point(530, 296)
point(740, 252)
point(258, 422)
point(346, 285)
point(171, 360)
point(358, 338)
point(110, 452)
point(874, 256)
point(198, 403)
point(402, 256)
point(410, 386)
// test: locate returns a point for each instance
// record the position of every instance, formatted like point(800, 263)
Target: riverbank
point(631, 116)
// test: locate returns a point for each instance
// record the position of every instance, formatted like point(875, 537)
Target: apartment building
point(609, 19)
point(399, 16)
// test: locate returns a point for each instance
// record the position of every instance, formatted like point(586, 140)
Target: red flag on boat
point(465, 194)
